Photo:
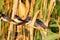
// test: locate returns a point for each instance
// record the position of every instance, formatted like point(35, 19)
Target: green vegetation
point(47, 11)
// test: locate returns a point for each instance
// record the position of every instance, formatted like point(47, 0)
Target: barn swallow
point(19, 21)
point(16, 19)
point(6, 18)
point(39, 23)
point(24, 21)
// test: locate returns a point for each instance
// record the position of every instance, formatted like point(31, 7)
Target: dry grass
point(15, 5)
point(22, 10)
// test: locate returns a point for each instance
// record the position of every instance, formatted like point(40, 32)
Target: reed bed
point(29, 19)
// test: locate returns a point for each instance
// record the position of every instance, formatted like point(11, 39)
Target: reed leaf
point(52, 37)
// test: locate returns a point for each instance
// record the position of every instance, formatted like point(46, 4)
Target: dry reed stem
point(19, 31)
point(51, 7)
point(28, 29)
point(27, 6)
point(34, 18)
point(0, 27)
point(7, 4)
point(22, 13)
point(40, 15)
point(15, 31)
point(12, 17)
point(3, 33)
point(22, 10)
point(24, 33)
point(31, 24)
point(43, 31)
point(27, 10)
point(58, 24)
point(59, 0)
point(45, 8)
point(39, 28)
point(31, 7)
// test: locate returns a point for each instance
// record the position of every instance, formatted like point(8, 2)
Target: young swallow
point(17, 19)
point(40, 23)
point(25, 21)
point(6, 18)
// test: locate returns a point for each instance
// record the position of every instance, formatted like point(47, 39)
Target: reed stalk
point(19, 31)
point(50, 10)
point(45, 8)
point(58, 23)
point(27, 10)
point(0, 27)
point(15, 4)
point(32, 7)
point(32, 23)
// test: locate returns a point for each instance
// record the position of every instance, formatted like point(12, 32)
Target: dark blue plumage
point(6, 18)
point(28, 19)
point(40, 23)
point(17, 17)
point(25, 21)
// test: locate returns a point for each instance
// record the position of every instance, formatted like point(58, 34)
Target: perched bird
point(6, 18)
point(19, 21)
point(16, 19)
point(25, 21)
point(40, 23)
